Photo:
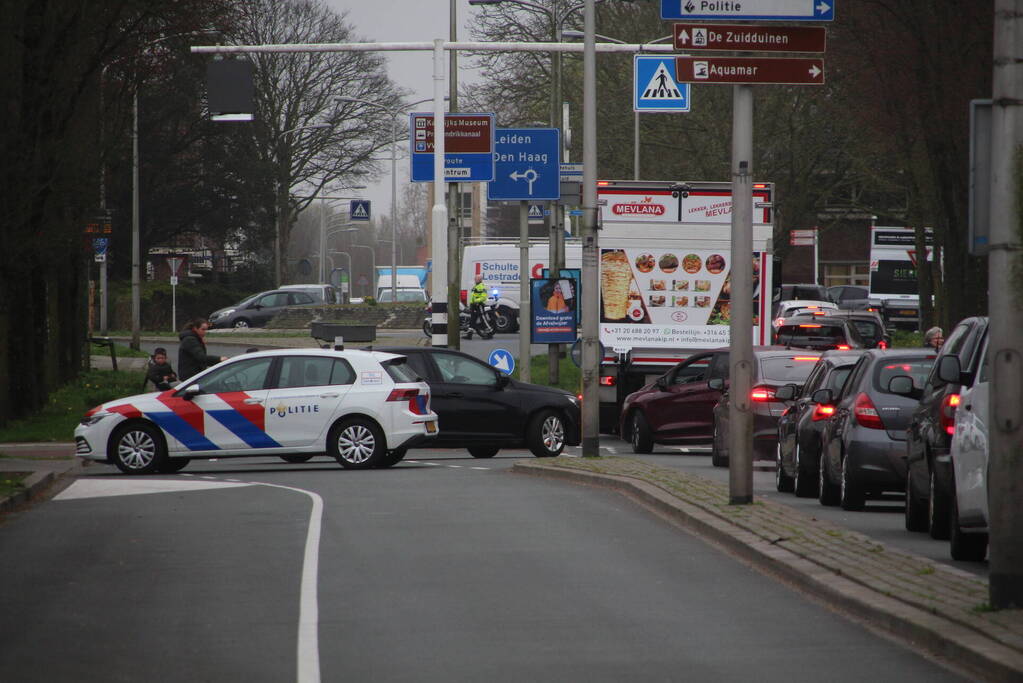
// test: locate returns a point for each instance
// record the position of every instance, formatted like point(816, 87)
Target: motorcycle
point(485, 327)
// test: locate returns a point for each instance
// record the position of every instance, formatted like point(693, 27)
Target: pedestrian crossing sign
point(655, 87)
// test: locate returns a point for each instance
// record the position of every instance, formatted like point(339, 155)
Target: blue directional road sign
point(655, 86)
point(468, 147)
point(759, 10)
point(527, 163)
point(502, 360)
point(358, 210)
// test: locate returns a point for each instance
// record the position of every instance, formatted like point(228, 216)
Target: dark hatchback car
point(773, 367)
point(863, 451)
point(676, 408)
point(484, 410)
point(801, 425)
point(259, 309)
point(929, 441)
point(869, 324)
point(819, 333)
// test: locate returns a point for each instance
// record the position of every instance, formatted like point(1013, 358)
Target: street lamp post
point(394, 178)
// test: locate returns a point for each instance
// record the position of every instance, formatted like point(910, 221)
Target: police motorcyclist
point(477, 301)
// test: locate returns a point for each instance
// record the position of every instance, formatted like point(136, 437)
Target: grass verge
point(57, 420)
point(11, 483)
point(568, 374)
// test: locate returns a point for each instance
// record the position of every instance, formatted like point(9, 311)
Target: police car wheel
point(296, 458)
point(138, 448)
point(357, 444)
point(393, 457)
point(172, 465)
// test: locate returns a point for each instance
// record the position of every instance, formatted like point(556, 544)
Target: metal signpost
point(751, 70)
point(174, 264)
point(749, 10)
point(468, 147)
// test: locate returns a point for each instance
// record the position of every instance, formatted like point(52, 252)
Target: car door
point(228, 414)
point(789, 420)
point(668, 411)
point(265, 307)
point(970, 450)
point(307, 395)
point(472, 405)
point(834, 427)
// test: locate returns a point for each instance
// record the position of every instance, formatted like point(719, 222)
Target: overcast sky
point(402, 21)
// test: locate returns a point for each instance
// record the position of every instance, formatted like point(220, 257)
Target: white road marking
point(480, 468)
point(455, 467)
point(101, 488)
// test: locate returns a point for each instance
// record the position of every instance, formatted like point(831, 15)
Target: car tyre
point(296, 458)
point(782, 482)
point(851, 493)
point(804, 482)
point(546, 434)
point(827, 493)
point(138, 448)
point(716, 459)
point(965, 547)
point(916, 513)
point(938, 512)
point(483, 451)
point(642, 441)
point(240, 324)
point(357, 444)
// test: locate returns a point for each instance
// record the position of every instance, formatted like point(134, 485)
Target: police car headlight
point(90, 420)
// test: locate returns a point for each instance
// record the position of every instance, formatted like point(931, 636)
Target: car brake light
point(813, 358)
point(778, 322)
point(947, 414)
point(417, 404)
point(866, 414)
point(822, 412)
point(882, 344)
point(843, 347)
point(607, 380)
point(761, 394)
point(809, 325)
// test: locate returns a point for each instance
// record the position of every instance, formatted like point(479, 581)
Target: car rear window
point(785, 369)
point(808, 331)
point(400, 371)
point(868, 329)
point(916, 367)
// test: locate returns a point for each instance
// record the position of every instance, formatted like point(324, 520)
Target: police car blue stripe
point(243, 428)
point(182, 431)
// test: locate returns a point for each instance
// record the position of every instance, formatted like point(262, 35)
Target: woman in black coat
point(192, 356)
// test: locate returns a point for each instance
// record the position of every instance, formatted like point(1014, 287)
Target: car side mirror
point(662, 382)
point(786, 392)
point(949, 369)
point(191, 391)
point(503, 380)
point(825, 396)
point(901, 385)
point(717, 384)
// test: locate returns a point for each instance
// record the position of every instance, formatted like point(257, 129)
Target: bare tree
point(296, 91)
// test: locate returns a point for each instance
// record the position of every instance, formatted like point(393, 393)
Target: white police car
point(364, 408)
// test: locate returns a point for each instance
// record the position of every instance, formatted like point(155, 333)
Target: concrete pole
point(1005, 264)
point(556, 236)
point(454, 199)
point(323, 242)
point(524, 327)
point(136, 249)
point(635, 145)
point(590, 276)
point(440, 212)
point(740, 413)
point(394, 207)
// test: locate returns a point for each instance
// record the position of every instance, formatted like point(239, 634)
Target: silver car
point(969, 463)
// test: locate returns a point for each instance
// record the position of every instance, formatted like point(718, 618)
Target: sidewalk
point(936, 607)
point(44, 463)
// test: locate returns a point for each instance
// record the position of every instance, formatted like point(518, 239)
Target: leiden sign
point(750, 70)
point(749, 38)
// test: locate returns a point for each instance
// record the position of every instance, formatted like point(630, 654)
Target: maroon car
point(677, 407)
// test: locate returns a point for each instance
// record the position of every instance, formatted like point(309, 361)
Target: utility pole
point(556, 236)
point(591, 281)
point(1005, 263)
point(454, 202)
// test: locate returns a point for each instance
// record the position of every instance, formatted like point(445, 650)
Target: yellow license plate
point(431, 427)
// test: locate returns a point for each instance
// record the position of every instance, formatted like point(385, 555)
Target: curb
point(34, 485)
point(954, 643)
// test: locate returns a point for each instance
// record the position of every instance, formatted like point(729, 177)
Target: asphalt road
point(441, 568)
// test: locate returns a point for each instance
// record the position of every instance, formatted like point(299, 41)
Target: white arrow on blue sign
point(655, 86)
point(502, 360)
point(760, 10)
point(527, 163)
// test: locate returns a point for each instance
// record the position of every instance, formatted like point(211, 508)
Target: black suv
point(869, 324)
point(807, 291)
point(929, 438)
point(819, 333)
point(484, 410)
